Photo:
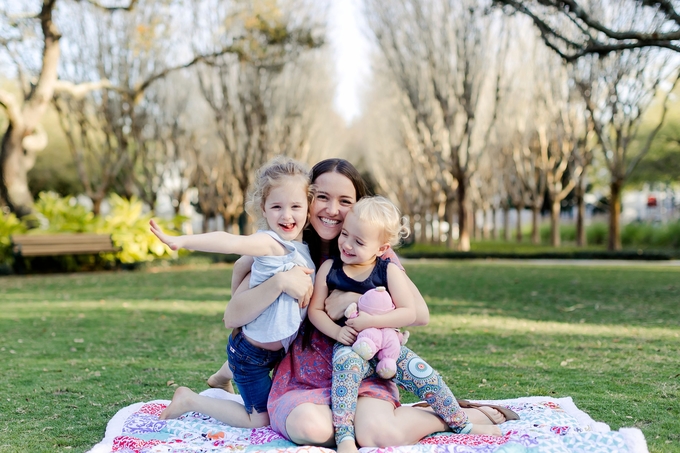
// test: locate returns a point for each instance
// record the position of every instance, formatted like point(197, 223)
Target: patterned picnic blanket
point(547, 425)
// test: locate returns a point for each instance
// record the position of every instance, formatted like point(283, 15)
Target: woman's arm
point(246, 303)
point(337, 302)
point(317, 310)
point(403, 315)
point(422, 312)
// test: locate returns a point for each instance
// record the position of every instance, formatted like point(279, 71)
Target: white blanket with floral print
point(547, 425)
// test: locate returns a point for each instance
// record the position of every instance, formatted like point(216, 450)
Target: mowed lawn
point(74, 349)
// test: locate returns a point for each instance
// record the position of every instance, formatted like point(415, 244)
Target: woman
point(299, 403)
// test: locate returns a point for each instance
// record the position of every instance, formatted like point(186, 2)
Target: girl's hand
point(346, 336)
point(297, 283)
point(361, 322)
point(174, 242)
point(337, 302)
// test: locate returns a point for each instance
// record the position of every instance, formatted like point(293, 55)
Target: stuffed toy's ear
point(351, 311)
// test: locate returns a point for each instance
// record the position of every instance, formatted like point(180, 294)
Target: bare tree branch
point(80, 90)
point(594, 36)
point(11, 105)
point(97, 4)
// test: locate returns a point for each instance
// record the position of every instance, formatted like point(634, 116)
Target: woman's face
point(334, 196)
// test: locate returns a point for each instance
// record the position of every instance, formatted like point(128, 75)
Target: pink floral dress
point(304, 376)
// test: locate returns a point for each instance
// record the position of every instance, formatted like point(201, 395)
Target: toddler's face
point(359, 242)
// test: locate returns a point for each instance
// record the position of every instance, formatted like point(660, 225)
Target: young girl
point(280, 200)
point(370, 228)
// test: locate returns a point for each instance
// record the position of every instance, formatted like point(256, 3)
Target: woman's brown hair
point(312, 238)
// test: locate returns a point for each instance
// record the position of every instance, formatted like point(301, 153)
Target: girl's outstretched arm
point(258, 244)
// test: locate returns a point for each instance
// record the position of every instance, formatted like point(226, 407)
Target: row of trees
point(163, 96)
point(489, 117)
point(470, 107)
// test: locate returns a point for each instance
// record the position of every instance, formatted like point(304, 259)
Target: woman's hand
point(338, 301)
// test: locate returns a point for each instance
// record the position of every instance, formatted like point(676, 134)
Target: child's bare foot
point(222, 379)
point(180, 404)
point(489, 430)
point(347, 446)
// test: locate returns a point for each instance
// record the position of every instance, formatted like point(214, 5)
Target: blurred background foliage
point(127, 221)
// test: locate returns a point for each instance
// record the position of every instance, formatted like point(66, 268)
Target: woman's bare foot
point(485, 415)
point(489, 430)
point(180, 404)
point(347, 446)
point(222, 379)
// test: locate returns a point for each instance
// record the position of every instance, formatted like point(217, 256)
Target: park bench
point(27, 245)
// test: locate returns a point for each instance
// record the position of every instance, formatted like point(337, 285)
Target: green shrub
point(128, 225)
point(673, 232)
point(63, 215)
point(9, 225)
point(567, 233)
point(597, 233)
point(638, 234)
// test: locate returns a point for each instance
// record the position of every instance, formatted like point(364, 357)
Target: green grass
point(77, 348)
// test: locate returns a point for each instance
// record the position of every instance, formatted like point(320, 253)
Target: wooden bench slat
point(62, 238)
point(62, 249)
point(62, 244)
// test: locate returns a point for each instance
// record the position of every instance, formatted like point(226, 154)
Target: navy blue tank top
point(337, 279)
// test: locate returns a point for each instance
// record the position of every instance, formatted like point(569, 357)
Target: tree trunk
point(97, 205)
point(555, 223)
point(449, 218)
point(474, 224)
point(15, 167)
point(535, 233)
point(16, 158)
point(580, 212)
point(518, 233)
point(506, 224)
point(463, 216)
point(423, 228)
point(184, 208)
point(614, 240)
point(486, 224)
point(494, 224)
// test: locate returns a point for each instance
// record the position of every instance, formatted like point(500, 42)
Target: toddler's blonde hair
point(271, 175)
point(382, 213)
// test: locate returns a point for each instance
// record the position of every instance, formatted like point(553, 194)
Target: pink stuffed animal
point(385, 342)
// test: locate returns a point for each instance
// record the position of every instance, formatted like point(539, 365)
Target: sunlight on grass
point(76, 348)
point(508, 325)
point(27, 310)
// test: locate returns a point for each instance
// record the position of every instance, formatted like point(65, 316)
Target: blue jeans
point(252, 367)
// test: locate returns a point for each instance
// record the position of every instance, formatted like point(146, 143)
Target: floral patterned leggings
point(413, 375)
